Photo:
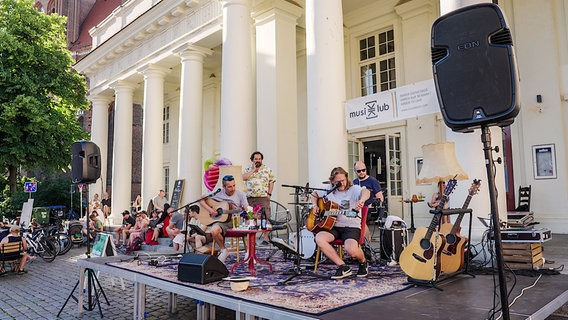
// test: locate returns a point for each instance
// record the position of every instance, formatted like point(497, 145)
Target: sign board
point(104, 246)
point(26, 216)
point(177, 193)
point(30, 186)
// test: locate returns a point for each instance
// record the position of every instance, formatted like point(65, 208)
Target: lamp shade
point(236, 172)
point(440, 163)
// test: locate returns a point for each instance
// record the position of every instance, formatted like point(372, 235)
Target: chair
point(279, 219)
point(232, 233)
point(524, 199)
point(339, 242)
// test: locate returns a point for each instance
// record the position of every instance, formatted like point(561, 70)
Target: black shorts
point(345, 233)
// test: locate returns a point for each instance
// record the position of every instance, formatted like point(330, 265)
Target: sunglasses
point(361, 170)
point(228, 178)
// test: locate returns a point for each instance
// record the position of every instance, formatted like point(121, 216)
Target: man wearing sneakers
point(234, 197)
point(348, 197)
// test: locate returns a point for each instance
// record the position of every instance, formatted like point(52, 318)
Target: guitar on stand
point(452, 257)
point(420, 259)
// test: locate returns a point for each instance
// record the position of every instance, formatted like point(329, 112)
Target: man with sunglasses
point(372, 184)
point(233, 196)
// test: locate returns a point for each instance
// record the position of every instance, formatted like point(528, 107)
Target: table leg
point(251, 258)
point(412, 228)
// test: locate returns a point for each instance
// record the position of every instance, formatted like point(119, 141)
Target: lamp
point(440, 163)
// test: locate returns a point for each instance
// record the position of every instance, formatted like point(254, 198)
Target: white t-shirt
point(346, 200)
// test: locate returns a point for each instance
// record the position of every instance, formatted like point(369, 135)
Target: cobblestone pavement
point(41, 293)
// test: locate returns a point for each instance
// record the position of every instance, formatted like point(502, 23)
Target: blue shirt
point(372, 185)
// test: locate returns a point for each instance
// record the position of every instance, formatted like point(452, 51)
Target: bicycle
point(60, 239)
point(39, 244)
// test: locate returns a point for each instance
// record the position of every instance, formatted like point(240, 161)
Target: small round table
point(412, 228)
point(251, 250)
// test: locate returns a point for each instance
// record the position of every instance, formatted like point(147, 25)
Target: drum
point(307, 243)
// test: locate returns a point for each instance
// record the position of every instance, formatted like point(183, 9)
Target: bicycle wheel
point(48, 250)
point(64, 241)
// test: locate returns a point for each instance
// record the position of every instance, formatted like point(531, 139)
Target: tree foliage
point(40, 92)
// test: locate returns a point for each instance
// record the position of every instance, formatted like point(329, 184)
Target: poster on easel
point(103, 246)
point(177, 194)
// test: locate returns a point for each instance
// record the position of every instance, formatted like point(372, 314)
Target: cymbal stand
point(298, 191)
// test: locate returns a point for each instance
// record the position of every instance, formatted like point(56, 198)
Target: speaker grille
point(502, 37)
point(438, 54)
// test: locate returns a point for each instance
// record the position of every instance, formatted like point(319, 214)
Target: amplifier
point(536, 235)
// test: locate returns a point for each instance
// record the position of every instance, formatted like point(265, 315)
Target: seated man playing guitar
point(348, 197)
point(235, 197)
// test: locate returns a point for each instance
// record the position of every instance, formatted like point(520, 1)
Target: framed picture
point(418, 162)
point(544, 161)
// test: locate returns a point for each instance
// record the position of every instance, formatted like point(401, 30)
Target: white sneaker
point(223, 255)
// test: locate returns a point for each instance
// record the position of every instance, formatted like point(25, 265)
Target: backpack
point(135, 245)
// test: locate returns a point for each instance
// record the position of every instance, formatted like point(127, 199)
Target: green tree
point(40, 92)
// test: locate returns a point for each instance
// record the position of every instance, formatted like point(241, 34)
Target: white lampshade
point(440, 163)
point(235, 171)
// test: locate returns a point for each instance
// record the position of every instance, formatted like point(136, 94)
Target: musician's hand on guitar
point(360, 204)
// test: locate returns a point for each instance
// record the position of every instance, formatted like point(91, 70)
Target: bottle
point(263, 219)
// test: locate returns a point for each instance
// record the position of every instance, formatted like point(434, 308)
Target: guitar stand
point(423, 283)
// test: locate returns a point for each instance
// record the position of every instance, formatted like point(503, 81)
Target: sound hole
point(450, 239)
point(425, 244)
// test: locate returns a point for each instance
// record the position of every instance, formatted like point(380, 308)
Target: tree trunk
point(12, 178)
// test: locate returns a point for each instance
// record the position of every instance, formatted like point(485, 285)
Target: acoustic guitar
point(420, 259)
point(325, 219)
point(223, 208)
point(452, 257)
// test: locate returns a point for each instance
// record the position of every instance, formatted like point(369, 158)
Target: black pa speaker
point(86, 162)
point(474, 68)
point(201, 268)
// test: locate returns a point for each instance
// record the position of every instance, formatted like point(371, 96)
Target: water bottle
point(263, 219)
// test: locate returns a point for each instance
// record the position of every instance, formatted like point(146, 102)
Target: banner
point(401, 103)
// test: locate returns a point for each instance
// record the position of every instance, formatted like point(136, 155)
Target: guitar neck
point(342, 213)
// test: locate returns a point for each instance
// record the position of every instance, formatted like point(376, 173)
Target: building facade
point(226, 78)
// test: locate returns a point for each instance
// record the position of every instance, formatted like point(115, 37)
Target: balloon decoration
point(211, 175)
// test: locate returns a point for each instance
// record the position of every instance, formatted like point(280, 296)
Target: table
point(251, 251)
point(412, 228)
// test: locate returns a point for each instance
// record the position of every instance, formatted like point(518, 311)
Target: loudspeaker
point(201, 268)
point(474, 68)
point(86, 162)
point(393, 242)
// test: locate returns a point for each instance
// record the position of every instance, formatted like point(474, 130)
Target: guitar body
point(452, 256)
point(206, 219)
point(317, 222)
point(420, 259)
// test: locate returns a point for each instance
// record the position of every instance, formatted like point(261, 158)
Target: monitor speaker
point(474, 68)
point(201, 268)
point(86, 162)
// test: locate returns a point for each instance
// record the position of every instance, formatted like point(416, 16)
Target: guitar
point(224, 209)
point(325, 219)
point(419, 260)
point(452, 258)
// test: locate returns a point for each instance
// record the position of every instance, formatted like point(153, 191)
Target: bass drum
point(307, 243)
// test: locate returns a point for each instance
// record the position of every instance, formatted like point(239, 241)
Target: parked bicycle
point(60, 239)
point(39, 244)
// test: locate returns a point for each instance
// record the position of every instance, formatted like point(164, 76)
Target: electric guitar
point(223, 208)
point(420, 259)
point(325, 219)
point(452, 258)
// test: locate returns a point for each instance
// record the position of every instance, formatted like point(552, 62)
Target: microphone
point(215, 192)
point(335, 187)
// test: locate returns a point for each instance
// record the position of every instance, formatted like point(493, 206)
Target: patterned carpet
point(309, 293)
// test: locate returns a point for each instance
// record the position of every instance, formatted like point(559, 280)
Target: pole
point(486, 139)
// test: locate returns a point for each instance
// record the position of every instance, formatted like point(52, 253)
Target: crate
point(522, 255)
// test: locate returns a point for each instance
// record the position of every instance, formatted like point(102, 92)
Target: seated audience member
point(105, 203)
point(14, 236)
point(152, 223)
point(94, 226)
point(137, 204)
point(164, 217)
point(175, 226)
point(196, 240)
point(4, 232)
point(127, 223)
point(34, 225)
point(140, 228)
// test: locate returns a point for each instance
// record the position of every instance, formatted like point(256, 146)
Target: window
point(166, 125)
point(394, 165)
point(167, 180)
point(377, 63)
point(352, 152)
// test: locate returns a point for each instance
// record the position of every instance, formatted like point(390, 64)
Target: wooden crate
point(522, 255)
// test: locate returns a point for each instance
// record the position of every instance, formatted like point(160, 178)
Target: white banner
point(401, 103)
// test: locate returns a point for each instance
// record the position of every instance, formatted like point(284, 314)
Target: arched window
point(38, 6)
point(51, 7)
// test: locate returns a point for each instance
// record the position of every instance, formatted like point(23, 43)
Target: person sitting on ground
point(127, 223)
point(140, 227)
point(95, 226)
point(14, 236)
point(348, 197)
point(236, 198)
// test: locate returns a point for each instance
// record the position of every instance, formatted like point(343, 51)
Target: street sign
point(80, 186)
point(30, 186)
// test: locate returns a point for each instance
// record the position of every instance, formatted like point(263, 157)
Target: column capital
point(411, 9)
point(190, 51)
point(123, 86)
point(268, 9)
point(152, 70)
point(100, 99)
point(226, 3)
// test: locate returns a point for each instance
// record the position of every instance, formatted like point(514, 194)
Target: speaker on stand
point(476, 82)
point(86, 162)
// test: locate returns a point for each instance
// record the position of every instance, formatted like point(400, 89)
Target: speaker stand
point(486, 139)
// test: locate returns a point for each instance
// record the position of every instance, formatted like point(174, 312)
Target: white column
point(99, 135)
point(122, 149)
point(327, 137)
point(152, 145)
point(277, 110)
point(238, 117)
point(190, 153)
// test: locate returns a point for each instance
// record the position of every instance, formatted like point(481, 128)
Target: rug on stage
point(305, 292)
